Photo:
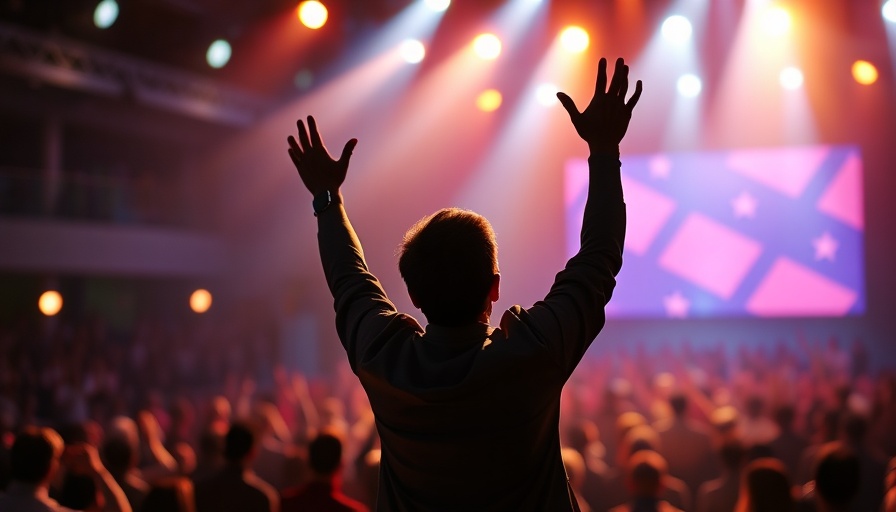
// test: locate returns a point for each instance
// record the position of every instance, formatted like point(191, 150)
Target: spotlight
point(489, 100)
point(412, 51)
point(313, 14)
point(105, 14)
point(200, 301)
point(689, 86)
point(889, 11)
point(677, 29)
point(546, 94)
point(438, 5)
point(218, 53)
point(864, 72)
point(50, 302)
point(791, 78)
point(776, 21)
point(487, 46)
point(574, 39)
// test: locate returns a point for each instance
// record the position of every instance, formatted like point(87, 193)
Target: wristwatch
point(321, 201)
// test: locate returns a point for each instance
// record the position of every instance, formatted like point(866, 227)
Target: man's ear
point(495, 291)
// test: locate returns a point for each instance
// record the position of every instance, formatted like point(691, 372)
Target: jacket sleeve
point(568, 319)
point(363, 311)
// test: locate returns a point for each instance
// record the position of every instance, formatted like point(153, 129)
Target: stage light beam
point(776, 21)
point(864, 72)
point(218, 53)
point(791, 78)
point(889, 11)
point(313, 14)
point(546, 94)
point(690, 85)
point(412, 51)
point(50, 302)
point(105, 14)
point(677, 29)
point(438, 5)
point(487, 46)
point(574, 39)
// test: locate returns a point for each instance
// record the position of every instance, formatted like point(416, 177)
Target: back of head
point(34, 453)
point(765, 487)
point(172, 494)
point(732, 453)
point(79, 492)
point(646, 470)
point(679, 404)
point(325, 454)
point(784, 416)
point(448, 261)
point(118, 455)
point(239, 442)
point(837, 474)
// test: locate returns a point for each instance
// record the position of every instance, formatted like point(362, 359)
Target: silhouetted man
point(468, 413)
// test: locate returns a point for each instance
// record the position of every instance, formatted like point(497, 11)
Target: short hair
point(679, 404)
point(118, 454)
point(766, 486)
point(79, 492)
point(33, 453)
point(646, 471)
point(448, 261)
point(837, 474)
point(238, 442)
point(325, 454)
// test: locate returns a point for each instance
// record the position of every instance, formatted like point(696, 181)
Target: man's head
point(35, 454)
point(837, 475)
point(239, 443)
point(646, 471)
point(449, 262)
point(325, 454)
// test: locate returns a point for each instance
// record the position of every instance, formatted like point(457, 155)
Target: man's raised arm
point(572, 313)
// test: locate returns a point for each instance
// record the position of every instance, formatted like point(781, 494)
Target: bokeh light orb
point(200, 301)
point(889, 11)
point(487, 46)
point(791, 78)
point(50, 302)
point(864, 72)
point(218, 53)
point(412, 51)
point(438, 5)
point(776, 21)
point(546, 94)
point(574, 39)
point(489, 101)
point(105, 14)
point(313, 14)
point(677, 29)
point(689, 85)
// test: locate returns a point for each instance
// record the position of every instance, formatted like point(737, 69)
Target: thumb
point(347, 151)
point(568, 104)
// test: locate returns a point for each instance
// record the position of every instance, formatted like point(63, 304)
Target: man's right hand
point(604, 122)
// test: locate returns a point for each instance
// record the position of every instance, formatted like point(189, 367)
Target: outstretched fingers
point(347, 151)
point(601, 86)
point(315, 134)
point(303, 136)
point(635, 97)
point(569, 105)
point(618, 77)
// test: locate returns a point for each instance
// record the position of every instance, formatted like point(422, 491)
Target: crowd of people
point(155, 423)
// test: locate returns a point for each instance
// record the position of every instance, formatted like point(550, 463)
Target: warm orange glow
point(489, 101)
point(574, 39)
point(200, 301)
point(313, 14)
point(50, 302)
point(864, 72)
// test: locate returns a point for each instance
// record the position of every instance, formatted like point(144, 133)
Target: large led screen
point(762, 232)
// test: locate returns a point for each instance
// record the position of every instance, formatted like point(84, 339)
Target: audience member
point(720, 495)
point(235, 488)
point(837, 480)
point(645, 478)
point(323, 493)
point(765, 488)
point(686, 446)
point(171, 494)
